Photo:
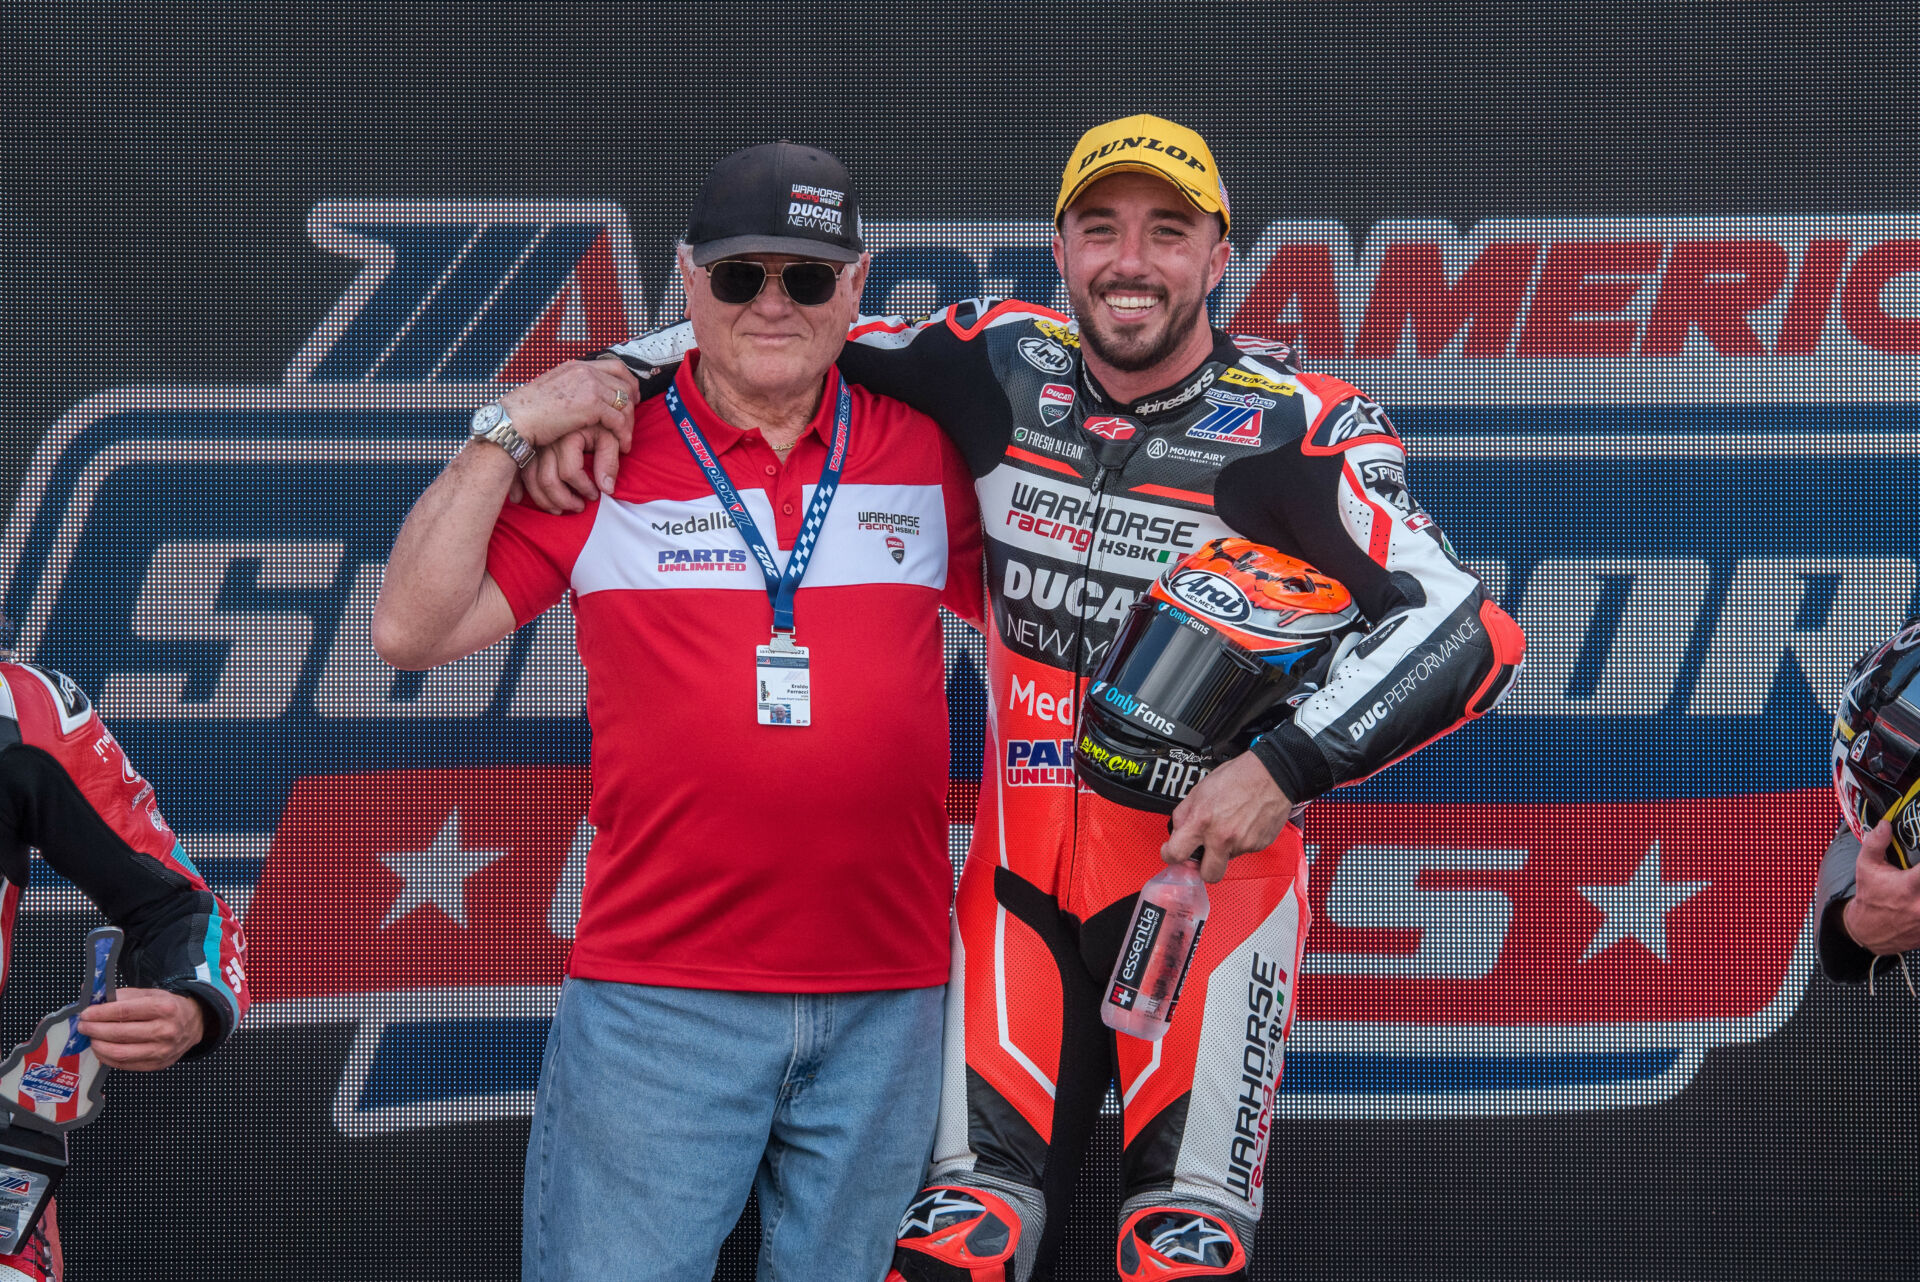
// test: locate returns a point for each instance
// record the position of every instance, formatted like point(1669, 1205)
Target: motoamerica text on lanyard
point(780, 666)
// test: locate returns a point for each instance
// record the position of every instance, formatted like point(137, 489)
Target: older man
point(757, 972)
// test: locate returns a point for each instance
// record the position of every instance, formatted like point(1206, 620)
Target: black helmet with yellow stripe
point(1876, 743)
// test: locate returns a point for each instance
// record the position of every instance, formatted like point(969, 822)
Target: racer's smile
point(1132, 302)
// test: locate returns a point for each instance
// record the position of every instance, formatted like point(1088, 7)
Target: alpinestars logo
point(1356, 418)
point(938, 1209)
point(1195, 1240)
point(1174, 400)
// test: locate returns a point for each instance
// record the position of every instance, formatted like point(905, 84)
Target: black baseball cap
point(777, 198)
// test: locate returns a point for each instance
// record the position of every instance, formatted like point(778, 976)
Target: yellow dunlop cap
point(1146, 145)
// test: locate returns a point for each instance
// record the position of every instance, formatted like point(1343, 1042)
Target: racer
point(1103, 451)
point(67, 789)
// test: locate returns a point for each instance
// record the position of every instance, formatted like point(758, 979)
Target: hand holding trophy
point(48, 1086)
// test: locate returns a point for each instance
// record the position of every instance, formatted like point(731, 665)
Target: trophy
point(49, 1085)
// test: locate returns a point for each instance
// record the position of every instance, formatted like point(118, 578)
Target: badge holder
point(780, 673)
point(48, 1086)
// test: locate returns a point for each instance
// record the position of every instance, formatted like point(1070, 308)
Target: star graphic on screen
point(1638, 909)
point(437, 875)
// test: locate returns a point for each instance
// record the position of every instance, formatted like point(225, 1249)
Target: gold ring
point(619, 398)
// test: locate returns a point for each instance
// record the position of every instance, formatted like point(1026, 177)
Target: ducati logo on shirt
point(897, 548)
point(1111, 427)
point(1056, 402)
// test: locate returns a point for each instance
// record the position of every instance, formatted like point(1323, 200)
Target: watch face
point(486, 418)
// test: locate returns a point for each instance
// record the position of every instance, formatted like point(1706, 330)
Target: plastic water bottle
point(1158, 948)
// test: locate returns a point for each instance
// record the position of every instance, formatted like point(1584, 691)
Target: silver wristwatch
point(490, 423)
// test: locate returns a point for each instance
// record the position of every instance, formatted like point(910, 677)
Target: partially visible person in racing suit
point(68, 790)
point(1104, 451)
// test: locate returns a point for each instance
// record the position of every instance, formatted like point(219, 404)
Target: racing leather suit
point(67, 789)
point(1084, 501)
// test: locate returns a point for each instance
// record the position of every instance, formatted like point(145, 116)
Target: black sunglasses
point(739, 280)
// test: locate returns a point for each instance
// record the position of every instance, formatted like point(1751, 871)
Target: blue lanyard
point(781, 588)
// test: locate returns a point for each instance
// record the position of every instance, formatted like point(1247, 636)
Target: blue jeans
point(659, 1107)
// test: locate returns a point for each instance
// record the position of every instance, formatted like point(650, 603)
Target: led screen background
point(1695, 496)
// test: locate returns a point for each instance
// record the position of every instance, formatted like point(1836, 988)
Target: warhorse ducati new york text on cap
point(1146, 145)
point(777, 198)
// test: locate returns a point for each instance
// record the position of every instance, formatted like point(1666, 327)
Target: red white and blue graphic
point(52, 1080)
point(1563, 907)
point(1235, 417)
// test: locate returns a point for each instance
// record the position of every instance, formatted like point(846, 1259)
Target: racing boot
point(1162, 1242)
point(957, 1234)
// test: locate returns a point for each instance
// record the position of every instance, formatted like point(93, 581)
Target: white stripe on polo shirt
point(678, 543)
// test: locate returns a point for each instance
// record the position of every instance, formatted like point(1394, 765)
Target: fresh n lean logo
point(1688, 485)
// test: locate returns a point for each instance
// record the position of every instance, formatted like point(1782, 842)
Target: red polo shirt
point(734, 855)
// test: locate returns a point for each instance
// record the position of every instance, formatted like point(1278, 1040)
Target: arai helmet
point(1206, 661)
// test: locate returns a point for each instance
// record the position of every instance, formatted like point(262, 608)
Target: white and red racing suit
point(1084, 501)
point(68, 790)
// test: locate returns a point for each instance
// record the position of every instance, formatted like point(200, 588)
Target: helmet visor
point(1175, 677)
point(1893, 743)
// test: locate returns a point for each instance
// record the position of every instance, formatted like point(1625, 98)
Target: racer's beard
point(1135, 353)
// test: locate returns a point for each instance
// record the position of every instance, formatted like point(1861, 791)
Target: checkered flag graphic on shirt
point(810, 530)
